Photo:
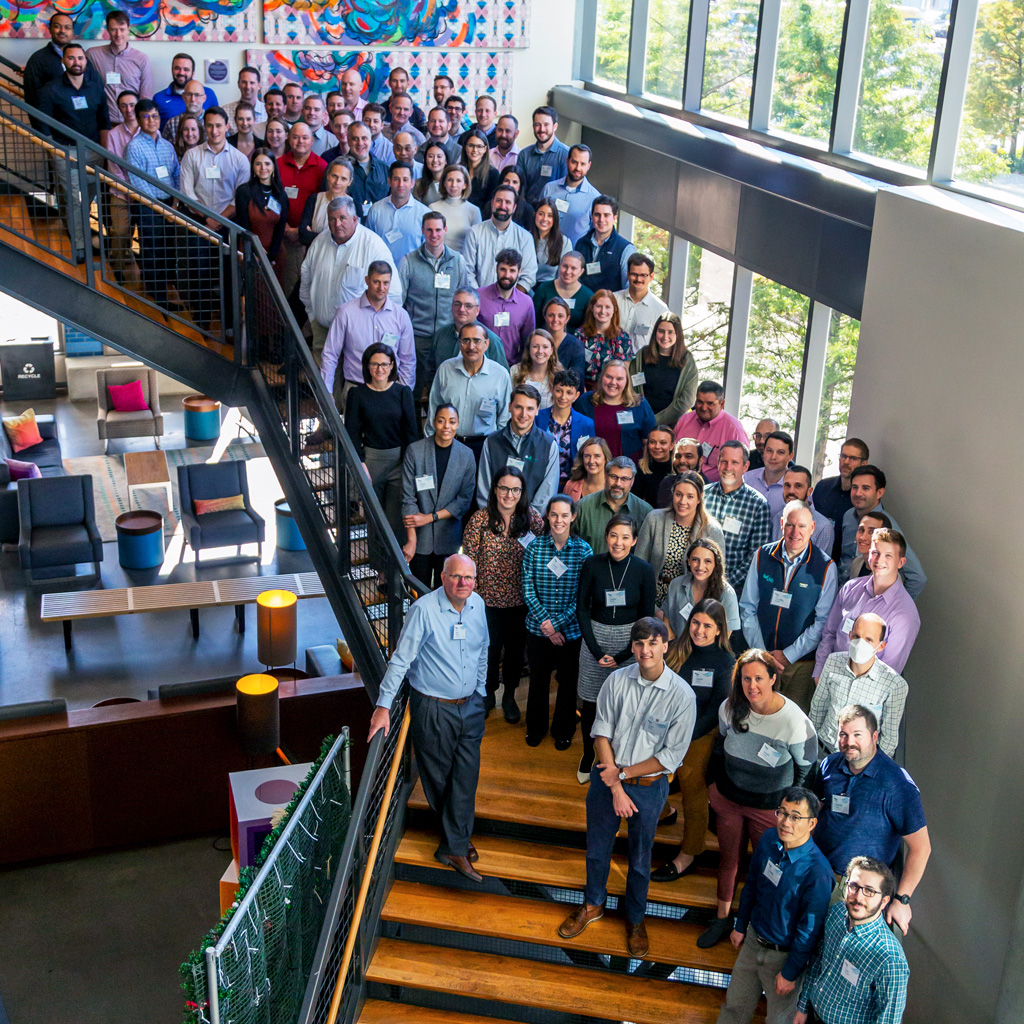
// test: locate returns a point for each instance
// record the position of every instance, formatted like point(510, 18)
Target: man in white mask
point(858, 676)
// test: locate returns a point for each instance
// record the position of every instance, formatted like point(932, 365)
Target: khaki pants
point(693, 787)
point(119, 234)
point(797, 683)
point(319, 338)
point(754, 973)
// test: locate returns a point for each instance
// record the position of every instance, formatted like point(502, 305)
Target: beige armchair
point(110, 423)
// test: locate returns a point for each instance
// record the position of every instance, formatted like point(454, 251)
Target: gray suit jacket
point(656, 530)
point(456, 494)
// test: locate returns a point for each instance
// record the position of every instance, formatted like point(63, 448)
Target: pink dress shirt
point(712, 435)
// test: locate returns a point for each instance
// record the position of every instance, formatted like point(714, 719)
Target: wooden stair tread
point(537, 921)
point(569, 989)
point(380, 1011)
point(559, 866)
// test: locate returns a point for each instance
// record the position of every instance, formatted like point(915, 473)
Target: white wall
point(937, 396)
point(547, 61)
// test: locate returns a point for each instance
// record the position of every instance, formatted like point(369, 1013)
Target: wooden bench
point(93, 604)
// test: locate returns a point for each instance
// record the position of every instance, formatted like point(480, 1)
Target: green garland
point(195, 999)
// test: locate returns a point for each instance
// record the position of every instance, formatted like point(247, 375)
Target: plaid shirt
point(750, 509)
point(549, 596)
point(881, 688)
point(859, 975)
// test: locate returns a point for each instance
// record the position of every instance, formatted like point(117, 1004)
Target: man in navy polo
point(870, 805)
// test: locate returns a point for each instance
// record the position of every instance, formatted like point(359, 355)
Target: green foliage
point(834, 414)
point(655, 242)
point(667, 24)
point(729, 57)
point(611, 52)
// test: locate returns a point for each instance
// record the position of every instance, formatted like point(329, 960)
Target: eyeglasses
point(758, 437)
point(461, 579)
point(381, 366)
point(789, 816)
point(465, 305)
point(865, 889)
point(502, 489)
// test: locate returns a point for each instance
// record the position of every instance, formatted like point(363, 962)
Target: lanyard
point(624, 571)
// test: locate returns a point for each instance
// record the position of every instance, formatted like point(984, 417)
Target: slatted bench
point(95, 604)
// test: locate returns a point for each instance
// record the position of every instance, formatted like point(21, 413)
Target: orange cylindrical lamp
point(258, 713)
point(276, 627)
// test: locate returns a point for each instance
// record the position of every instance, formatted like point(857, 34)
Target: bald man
point(443, 651)
point(759, 437)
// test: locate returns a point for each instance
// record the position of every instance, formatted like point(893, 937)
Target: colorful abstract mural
point(213, 21)
point(475, 73)
point(487, 24)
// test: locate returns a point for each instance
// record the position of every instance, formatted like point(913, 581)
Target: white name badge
point(639, 380)
point(772, 872)
point(546, 171)
point(615, 599)
point(79, 102)
point(442, 281)
point(624, 418)
point(502, 319)
point(273, 205)
point(393, 235)
point(849, 972)
point(571, 303)
point(366, 206)
point(557, 567)
point(702, 677)
point(581, 441)
point(162, 172)
point(780, 599)
point(840, 804)
point(562, 205)
point(487, 406)
point(848, 624)
point(213, 172)
point(525, 540)
point(516, 464)
point(642, 330)
point(706, 449)
point(730, 524)
point(594, 268)
point(113, 78)
point(424, 483)
point(291, 191)
point(769, 755)
point(684, 612)
point(459, 631)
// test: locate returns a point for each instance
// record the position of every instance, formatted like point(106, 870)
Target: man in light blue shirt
point(796, 486)
point(544, 161)
point(573, 195)
point(484, 241)
point(398, 218)
point(443, 652)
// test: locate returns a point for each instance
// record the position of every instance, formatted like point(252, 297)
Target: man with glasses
point(860, 973)
point(445, 344)
point(759, 437)
point(871, 806)
point(594, 511)
point(832, 493)
point(781, 914)
point(443, 651)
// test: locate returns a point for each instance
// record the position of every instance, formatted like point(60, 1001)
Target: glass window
point(657, 243)
point(667, 23)
point(729, 58)
point(989, 149)
point(806, 66)
point(773, 368)
point(706, 307)
point(611, 52)
point(899, 84)
point(834, 411)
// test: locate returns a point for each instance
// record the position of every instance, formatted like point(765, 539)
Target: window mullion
point(736, 349)
point(696, 44)
point(953, 91)
point(812, 382)
point(764, 64)
point(637, 48)
point(675, 282)
point(851, 65)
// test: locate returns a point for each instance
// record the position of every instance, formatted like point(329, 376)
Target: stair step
point(506, 979)
point(559, 866)
point(380, 1011)
point(536, 921)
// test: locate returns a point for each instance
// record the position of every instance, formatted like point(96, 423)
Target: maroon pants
point(736, 824)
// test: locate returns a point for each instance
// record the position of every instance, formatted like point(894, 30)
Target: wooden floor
point(451, 951)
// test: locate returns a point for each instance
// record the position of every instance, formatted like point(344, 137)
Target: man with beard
point(712, 426)
point(505, 309)
point(832, 493)
point(484, 242)
point(573, 194)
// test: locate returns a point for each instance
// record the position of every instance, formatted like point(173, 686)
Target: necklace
point(622, 578)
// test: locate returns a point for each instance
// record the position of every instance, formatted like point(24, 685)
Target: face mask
point(861, 651)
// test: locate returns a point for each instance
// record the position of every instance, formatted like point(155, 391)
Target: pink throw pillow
point(22, 470)
point(128, 397)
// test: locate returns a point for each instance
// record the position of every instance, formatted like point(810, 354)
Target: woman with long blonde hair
point(587, 475)
point(620, 415)
point(538, 366)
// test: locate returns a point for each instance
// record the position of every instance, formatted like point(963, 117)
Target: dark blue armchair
point(58, 527)
point(230, 528)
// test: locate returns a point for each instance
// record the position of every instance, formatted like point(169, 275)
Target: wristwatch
point(434, 516)
point(622, 775)
point(905, 900)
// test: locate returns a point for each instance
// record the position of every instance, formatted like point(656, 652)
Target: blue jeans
point(603, 823)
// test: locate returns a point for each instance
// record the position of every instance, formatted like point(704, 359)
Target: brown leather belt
point(643, 780)
point(448, 700)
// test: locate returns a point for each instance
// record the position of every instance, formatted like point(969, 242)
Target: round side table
point(202, 417)
point(140, 539)
point(288, 536)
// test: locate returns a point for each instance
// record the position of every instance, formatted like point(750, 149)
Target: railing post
point(78, 178)
point(342, 507)
point(292, 369)
point(235, 282)
point(246, 299)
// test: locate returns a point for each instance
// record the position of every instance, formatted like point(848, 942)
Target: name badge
point(702, 677)
point(594, 268)
point(624, 418)
point(557, 567)
point(291, 191)
point(213, 172)
point(393, 235)
point(769, 755)
point(780, 599)
point(442, 281)
point(79, 102)
point(684, 612)
point(562, 205)
point(459, 631)
point(113, 78)
point(772, 872)
point(641, 330)
point(730, 524)
point(615, 599)
point(162, 172)
point(525, 540)
point(848, 623)
point(581, 441)
point(571, 303)
point(849, 972)
point(706, 449)
point(516, 464)
point(639, 380)
point(487, 406)
point(840, 804)
point(366, 206)
point(546, 170)
point(390, 339)
point(273, 205)
point(424, 483)
point(502, 319)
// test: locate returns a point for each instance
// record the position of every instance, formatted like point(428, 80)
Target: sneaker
point(715, 932)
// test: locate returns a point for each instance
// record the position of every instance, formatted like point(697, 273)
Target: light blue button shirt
point(401, 227)
point(574, 220)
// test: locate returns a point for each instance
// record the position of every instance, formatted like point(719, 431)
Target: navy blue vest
point(533, 453)
point(610, 258)
point(781, 626)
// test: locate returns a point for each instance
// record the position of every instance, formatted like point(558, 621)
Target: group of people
point(576, 498)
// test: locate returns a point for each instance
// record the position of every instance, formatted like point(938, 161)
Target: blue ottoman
point(288, 536)
point(140, 539)
point(202, 417)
